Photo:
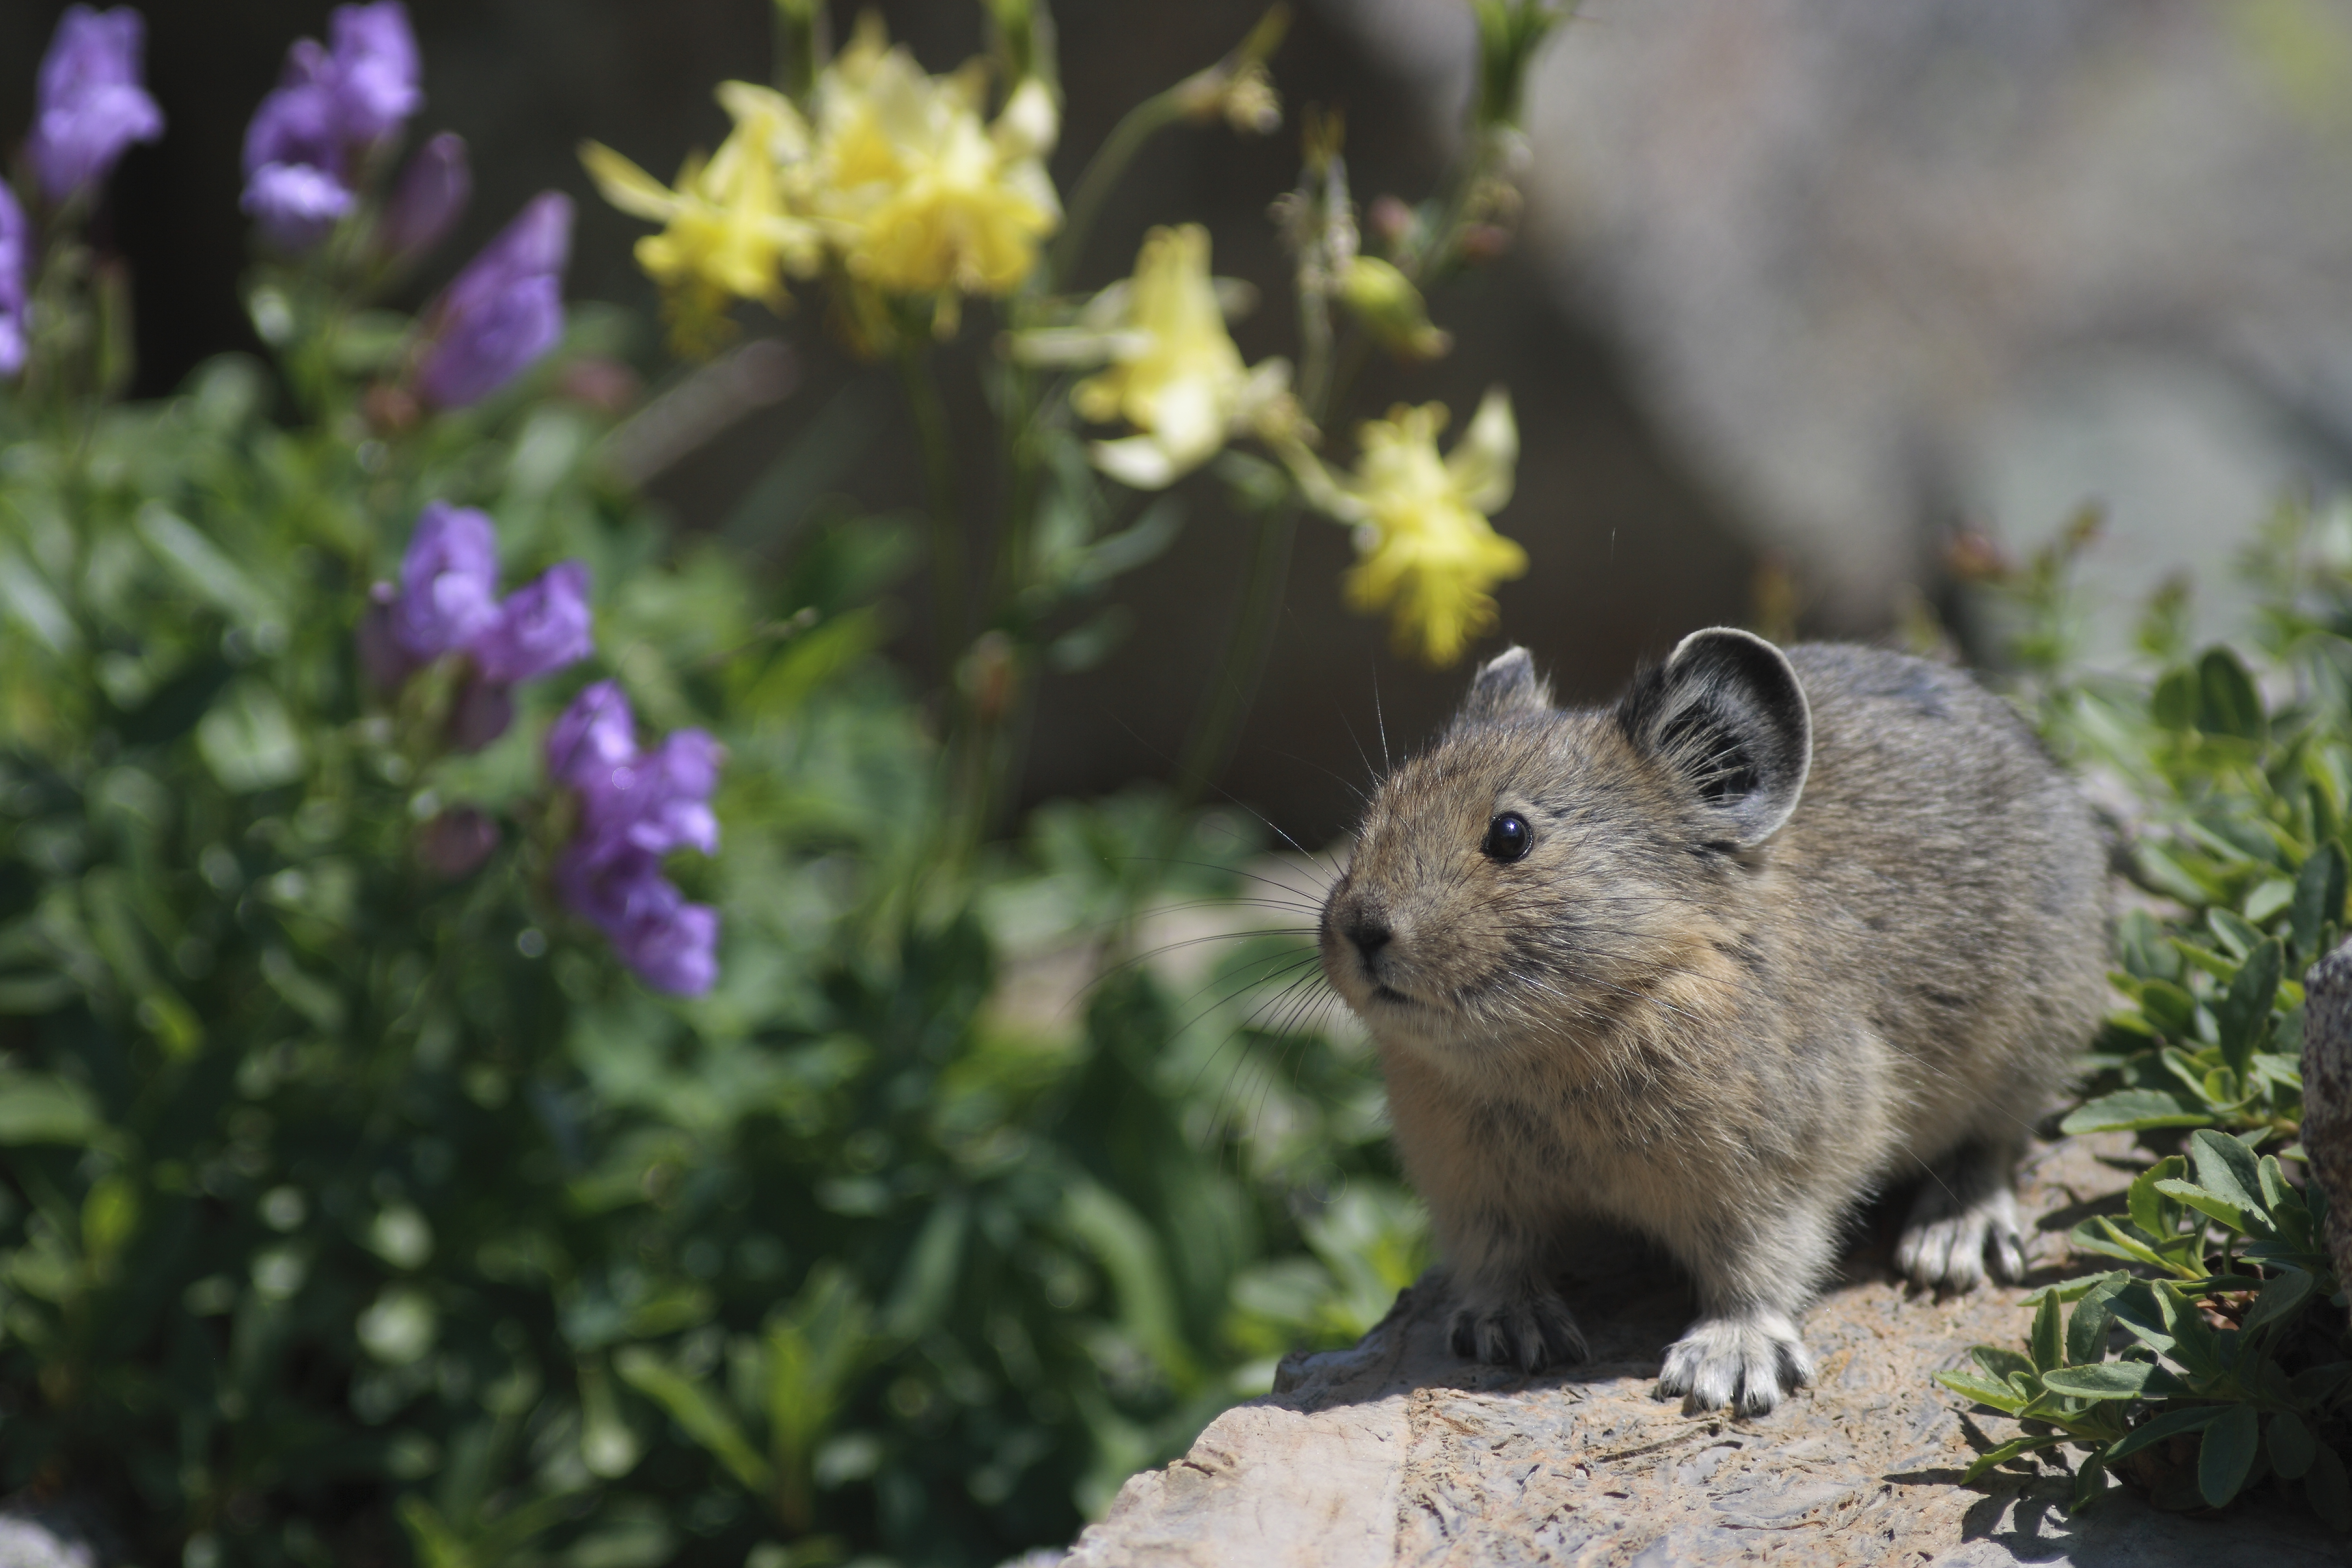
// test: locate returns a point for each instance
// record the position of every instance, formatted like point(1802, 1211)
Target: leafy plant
point(2238, 772)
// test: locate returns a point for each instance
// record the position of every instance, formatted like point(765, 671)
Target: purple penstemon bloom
point(90, 104)
point(503, 312)
point(376, 68)
point(447, 602)
point(539, 629)
point(448, 583)
point(14, 239)
point(330, 108)
point(635, 807)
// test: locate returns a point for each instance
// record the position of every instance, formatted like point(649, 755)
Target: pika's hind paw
point(1530, 1329)
point(1750, 1361)
point(1951, 1234)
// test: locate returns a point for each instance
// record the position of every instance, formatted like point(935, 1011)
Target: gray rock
point(1396, 1452)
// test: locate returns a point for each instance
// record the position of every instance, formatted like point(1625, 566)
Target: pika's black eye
point(1507, 837)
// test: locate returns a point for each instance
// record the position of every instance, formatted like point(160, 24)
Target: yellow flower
point(731, 233)
point(1174, 373)
point(916, 193)
point(1427, 554)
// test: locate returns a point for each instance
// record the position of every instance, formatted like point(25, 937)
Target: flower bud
point(429, 199)
point(484, 711)
point(454, 845)
point(13, 244)
point(90, 104)
point(504, 312)
point(1390, 309)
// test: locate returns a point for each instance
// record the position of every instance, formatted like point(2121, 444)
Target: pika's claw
point(1530, 1330)
point(1949, 1237)
point(1749, 1361)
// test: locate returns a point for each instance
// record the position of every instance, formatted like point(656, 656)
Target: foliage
point(2232, 767)
point(355, 1205)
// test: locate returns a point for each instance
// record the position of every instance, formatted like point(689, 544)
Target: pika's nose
point(1368, 930)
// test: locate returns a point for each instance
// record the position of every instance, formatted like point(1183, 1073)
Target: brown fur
point(1681, 1014)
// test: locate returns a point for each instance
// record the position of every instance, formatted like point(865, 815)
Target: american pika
point(1715, 964)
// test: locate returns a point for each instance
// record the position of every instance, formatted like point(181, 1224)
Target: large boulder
point(1398, 1452)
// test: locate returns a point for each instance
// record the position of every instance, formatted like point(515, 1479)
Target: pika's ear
point(1728, 714)
point(1506, 686)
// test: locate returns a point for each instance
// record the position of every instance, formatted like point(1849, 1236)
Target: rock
point(1396, 1452)
point(2327, 1094)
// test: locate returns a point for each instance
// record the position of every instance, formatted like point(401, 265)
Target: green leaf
point(202, 566)
point(2291, 1444)
point(2276, 1194)
point(2000, 1364)
point(2318, 898)
point(2010, 1450)
point(2171, 1424)
point(2227, 1454)
point(2244, 1013)
point(2109, 1239)
point(2132, 1110)
point(2173, 704)
point(40, 1108)
point(2047, 1344)
point(2135, 1306)
point(2324, 1486)
point(2146, 1204)
point(2086, 1330)
point(2226, 1168)
point(1983, 1390)
point(927, 1281)
point(2194, 1345)
point(699, 1413)
point(2239, 937)
point(2227, 702)
point(2115, 1380)
point(2279, 1299)
point(2214, 1206)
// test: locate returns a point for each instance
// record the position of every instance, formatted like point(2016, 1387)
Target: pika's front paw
point(1751, 1361)
point(1947, 1238)
point(1530, 1329)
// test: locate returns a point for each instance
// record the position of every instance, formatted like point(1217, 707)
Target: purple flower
point(374, 68)
point(329, 108)
point(596, 731)
point(539, 629)
point(635, 807)
point(90, 105)
point(14, 239)
point(505, 311)
point(430, 197)
point(672, 944)
point(297, 205)
point(294, 160)
point(448, 583)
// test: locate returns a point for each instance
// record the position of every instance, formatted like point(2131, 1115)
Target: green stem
point(931, 417)
point(1236, 687)
point(1102, 172)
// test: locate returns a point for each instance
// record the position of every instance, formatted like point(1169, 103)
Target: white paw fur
point(1946, 1243)
point(1749, 1361)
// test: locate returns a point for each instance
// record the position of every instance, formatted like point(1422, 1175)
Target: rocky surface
point(1397, 1452)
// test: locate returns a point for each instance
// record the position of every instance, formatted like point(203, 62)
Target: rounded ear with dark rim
point(1506, 686)
point(1727, 713)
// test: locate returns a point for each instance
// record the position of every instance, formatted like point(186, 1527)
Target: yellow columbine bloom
point(1174, 373)
point(731, 233)
point(1427, 554)
point(916, 193)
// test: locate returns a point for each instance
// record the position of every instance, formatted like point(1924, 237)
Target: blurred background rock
point(1814, 284)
